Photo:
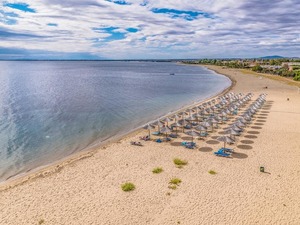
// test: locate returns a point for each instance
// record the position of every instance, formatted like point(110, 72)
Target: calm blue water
point(49, 110)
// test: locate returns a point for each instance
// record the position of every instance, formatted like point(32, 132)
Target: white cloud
point(243, 26)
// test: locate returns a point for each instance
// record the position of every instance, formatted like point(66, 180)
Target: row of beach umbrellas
point(202, 117)
point(242, 121)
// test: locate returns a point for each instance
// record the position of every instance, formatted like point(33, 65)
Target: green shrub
point(128, 187)
point(179, 162)
point(212, 172)
point(157, 170)
point(175, 181)
point(297, 75)
point(173, 187)
point(257, 68)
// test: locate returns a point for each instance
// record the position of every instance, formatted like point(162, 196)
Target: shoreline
point(58, 165)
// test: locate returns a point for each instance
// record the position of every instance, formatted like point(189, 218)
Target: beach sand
point(88, 191)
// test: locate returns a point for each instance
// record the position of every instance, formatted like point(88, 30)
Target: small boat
point(172, 73)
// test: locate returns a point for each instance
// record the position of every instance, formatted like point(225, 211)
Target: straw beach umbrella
point(167, 119)
point(240, 123)
point(176, 117)
point(183, 123)
point(176, 124)
point(232, 133)
point(206, 124)
point(148, 127)
point(165, 130)
point(225, 139)
point(236, 128)
point(159, 125)
point(189, 111)
point(201, 129)
point(214, 121)
point(193, 134)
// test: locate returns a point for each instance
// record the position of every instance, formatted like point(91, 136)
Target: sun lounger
point(189, 145)
point(136, 143)
point(226, 150)
point(173, 135)
point(187, 127)
point(203, 134)
point(222, 154)
point(166, 139)
point(158, 140)
point(145, 138)
point(156, 133)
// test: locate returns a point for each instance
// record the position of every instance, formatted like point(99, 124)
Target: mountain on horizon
point(272, 57)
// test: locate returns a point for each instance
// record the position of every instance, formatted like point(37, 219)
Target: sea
point(52, 109)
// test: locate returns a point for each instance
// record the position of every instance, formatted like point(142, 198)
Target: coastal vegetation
point(175, 181)
point(212, 172)
point(180, 162)
point(128, 187)
point(173, 187)
point(286, 67)
point(157, 170)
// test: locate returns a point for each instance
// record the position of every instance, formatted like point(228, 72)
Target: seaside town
point(285, 67)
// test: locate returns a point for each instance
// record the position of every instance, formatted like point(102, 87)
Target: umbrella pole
point(149, 133)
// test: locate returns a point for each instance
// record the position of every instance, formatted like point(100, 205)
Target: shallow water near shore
point(51, 109)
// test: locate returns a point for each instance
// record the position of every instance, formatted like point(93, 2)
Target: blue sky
point(148, 29)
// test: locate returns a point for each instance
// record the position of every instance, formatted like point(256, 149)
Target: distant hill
point(273, 57)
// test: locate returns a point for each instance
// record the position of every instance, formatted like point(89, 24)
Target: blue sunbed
point(188, 143)
point(221, 153)
point(203, 134)
point(226, 150)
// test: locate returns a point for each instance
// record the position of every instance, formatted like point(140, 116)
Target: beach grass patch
point(175, 181)
point(128, 187)
point(157, 170)
point(41, 221)
point(173, 187)
point(179, 162)
point(212, 172)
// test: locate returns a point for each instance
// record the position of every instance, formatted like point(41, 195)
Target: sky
point(148, 29)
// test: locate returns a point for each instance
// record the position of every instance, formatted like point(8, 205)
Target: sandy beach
point(88, 191)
